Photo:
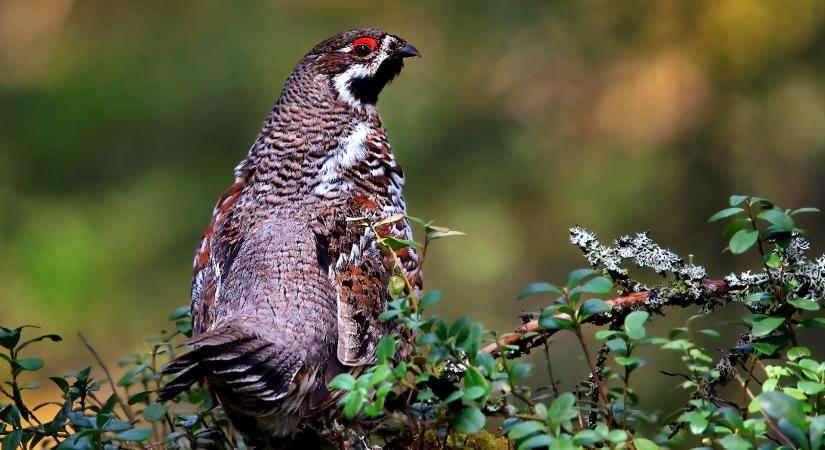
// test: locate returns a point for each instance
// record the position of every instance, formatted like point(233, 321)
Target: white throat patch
point(342, 81)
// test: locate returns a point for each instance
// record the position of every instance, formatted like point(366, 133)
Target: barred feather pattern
point(286, 292)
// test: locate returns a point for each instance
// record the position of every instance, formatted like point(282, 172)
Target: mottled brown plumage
point(286, 293)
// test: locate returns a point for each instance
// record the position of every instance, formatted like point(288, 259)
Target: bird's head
point(359, 63)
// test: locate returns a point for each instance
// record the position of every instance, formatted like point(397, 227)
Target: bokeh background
point(121, 121)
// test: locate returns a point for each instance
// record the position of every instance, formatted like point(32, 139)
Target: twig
point(625, 303)
point(550, 367)
point(108, 377)
point(771, 424)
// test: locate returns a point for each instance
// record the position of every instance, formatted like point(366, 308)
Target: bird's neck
point(312, 147)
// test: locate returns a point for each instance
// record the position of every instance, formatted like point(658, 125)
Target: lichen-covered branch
point(688, 286)
point(530, 334)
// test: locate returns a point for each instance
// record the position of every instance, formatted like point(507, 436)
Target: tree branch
point(524, 336)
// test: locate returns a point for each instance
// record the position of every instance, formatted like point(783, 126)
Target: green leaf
point(804, 210)
point(389, 314)
point(140, 397)
point(735, 442)
point(805, 304)
point(733, 417)
point(676, 332)
point(772, 260)
point(606, 334)
point(470, 420)
point(455, 395)
point(51, 337)
point(540, 441)
point(352, 404)
point(473, 341)
point(766, 325)
point(617, 436)
point(537, 289)
point(598, 286)
point(742, 241)
point(795, 353)
point(644, 444)
point(737, 199)
point(782, 406)
point(130, 375)
point(12, 440)
point(9, 338)
point(626, 360)
point(712, 333)
point(398, 244)
point(460, 326)
point(473, 393)
point(30, 364)
point(390, 219)
point(757, 297)
point(473, 378)
point(385, 350)
point(815, 322)
point(430, 298)
point(342, 382)
point(520, 370)
point(697, 421)
point(760, 201)
point(377, 374)
point(556, 323)
point(810, 387)
point(617, 346)
point(10, 414)
point(441, 232)
point(678, 344)
point(725, 213)
point(585, 437)
point(777, 217)
point(577, 275)
point(184, 326)
point(634, 324)
point(817, 431)
point(735, 225)
point(137, 434)
point(179, 313)
point(155, 412)
point(61, 383)
point(765, 348)
point(524, 429)
point(562, 409)
point(592, 307)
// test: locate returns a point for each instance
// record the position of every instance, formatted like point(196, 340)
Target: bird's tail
point(234, 360)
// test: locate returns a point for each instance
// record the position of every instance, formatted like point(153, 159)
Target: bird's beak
point(407, 51)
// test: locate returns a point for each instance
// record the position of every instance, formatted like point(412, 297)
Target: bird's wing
point(219, 245)
point(360, 272)
point(256, 358)
point(217, 248)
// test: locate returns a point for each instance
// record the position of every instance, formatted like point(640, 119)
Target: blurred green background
point(121, 122)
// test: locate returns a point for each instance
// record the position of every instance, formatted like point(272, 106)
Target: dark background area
point(121, 122)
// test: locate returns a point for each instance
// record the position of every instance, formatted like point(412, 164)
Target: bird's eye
point(364, 46)
point(362, 50)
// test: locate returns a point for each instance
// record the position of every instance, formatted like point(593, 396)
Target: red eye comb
point(369, 42)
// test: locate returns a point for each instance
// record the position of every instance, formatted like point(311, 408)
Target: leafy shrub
point(463, 386)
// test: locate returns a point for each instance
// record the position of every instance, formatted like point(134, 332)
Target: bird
point(286, 292)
